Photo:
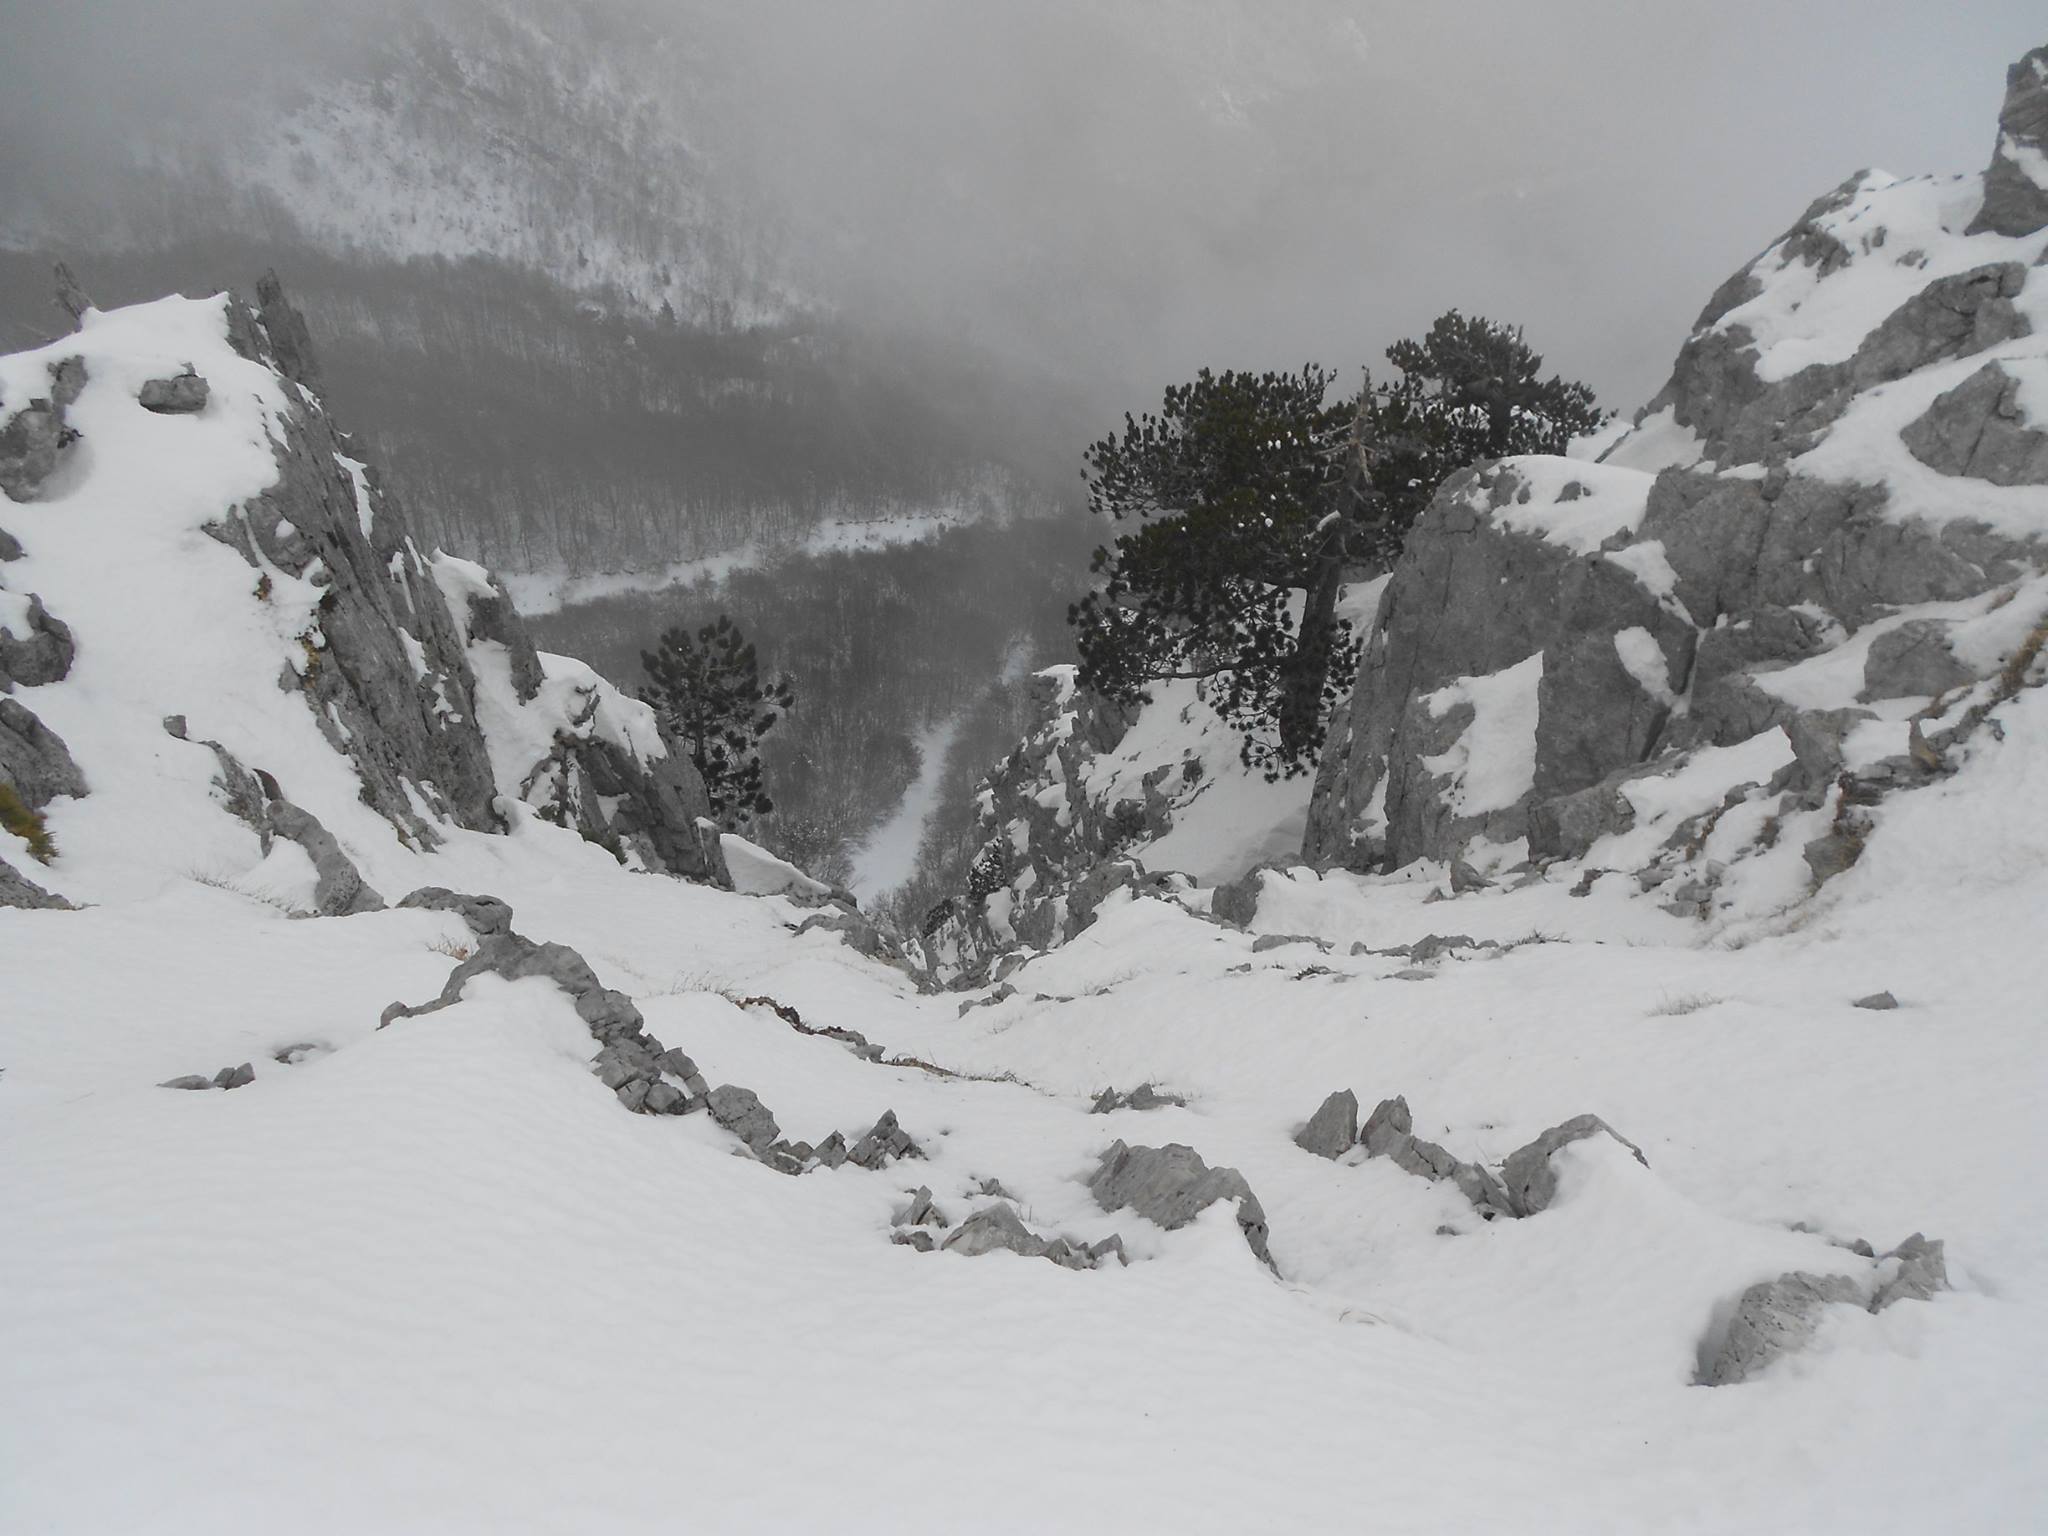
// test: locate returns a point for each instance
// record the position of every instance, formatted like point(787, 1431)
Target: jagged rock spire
point(2016, 186)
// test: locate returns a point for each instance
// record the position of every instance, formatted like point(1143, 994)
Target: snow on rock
point(1758, 613)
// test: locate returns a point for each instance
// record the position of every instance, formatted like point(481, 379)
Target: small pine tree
point(707, 692)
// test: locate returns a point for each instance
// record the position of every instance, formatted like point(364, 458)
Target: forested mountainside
point(572, 345)
point(885, 646)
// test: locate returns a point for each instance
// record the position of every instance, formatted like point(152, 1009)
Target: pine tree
point(707, 693)
point(1257, 499)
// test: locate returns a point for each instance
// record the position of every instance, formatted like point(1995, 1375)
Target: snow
point(1900, 235)
point(1607, 501)
point(1656, 443)
point(889, 856)
point(432, 1277)
point(1493, 763)
point(1644, 658)
point(757, 872)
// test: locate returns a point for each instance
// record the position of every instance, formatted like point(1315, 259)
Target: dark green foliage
point(1241, 489)
point(1468, 391)
point(1256, 500)
point(707, 690)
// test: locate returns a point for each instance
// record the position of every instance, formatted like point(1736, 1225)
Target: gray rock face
point(922, 1211)
point(18, 891)
point(1772, 1319)
point(1532, 1182)
point(33, 758)
point(44, 657)
point(991, 1228)
point(1389, 1132)
point(1978, 430)
point(630, 1062)
point(1913, 1271)
point(1333, 1129)
point(2014, 202)
point(884, 1141)
point(34, 437)
point(741, 1111)
point(339, 889)
point(1171, 1186)
point(1733, 568)
point(182, 394)
point(486, 916)
point(1779, 1316)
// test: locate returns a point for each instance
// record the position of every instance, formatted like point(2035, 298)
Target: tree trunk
point(1308, 669)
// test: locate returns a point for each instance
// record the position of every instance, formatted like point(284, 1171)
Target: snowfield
point(432, 1277)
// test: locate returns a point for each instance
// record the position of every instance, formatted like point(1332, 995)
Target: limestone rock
point(1913, 1271)
point(1877, 1001)
point(18, 891)
point(1532, 1182)
point(920, 1212)
point(34, 759)
point(1333, 1129)
point(44, 657)
point(182, 394)
point(1772, 1319)
point(991, 1228)
point(1980, 430)
point(191, 1081)
point(885, 1140)
point(1142, 1097)
point(1171, 1185)
point(235, 1077)
point(2015, 199)
point(339, 888)
point(486, 916)
point(741, 1111)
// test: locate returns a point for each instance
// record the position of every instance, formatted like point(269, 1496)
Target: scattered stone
point(1237, 902)
point(1530, 1179)
point(191, 1080)
point(292, 1055)
point(235, 1077)
point(830, 1152)
point(181, 395)
point(1271, 941)
point(1333, 1129)
point(30, 444)
point(1414, 973)
point(1113, 1243)
point(1171, 1185)
point(1921, 1270)
point(915, 1237)
point(43, 657)
point(994, 1187)
point(1465, 879)
point(920, 1212)
point(993, 1227)
point(174, 727)
point(885, 1140)
point(1880, 1002)
point(1144, 1096)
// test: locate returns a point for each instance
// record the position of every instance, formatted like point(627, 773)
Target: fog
point(1115, 194)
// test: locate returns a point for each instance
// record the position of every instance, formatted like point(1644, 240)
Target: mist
point(1114, 195)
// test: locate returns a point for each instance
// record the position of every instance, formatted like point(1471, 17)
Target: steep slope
point(1799, 582)
point(340, 1222)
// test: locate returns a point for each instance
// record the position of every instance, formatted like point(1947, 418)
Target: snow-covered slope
point(418, 1268)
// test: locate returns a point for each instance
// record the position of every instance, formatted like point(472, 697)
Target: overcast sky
point(1125, 190)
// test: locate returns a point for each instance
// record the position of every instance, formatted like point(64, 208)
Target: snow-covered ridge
point(205, 588)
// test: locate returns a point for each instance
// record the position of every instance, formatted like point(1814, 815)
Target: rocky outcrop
point(34, 432)
point(182, 394)
point(43, 655)
point(1532, 1182)
point(2016, 186)
point(648, 1077)
point(1171, 1185)
point(1389, 1132)
point(1779, 1317)
point(1563, 644)
point(997, 1228)
point(1333, 1129)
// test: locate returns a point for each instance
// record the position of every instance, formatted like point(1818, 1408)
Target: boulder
point(182, 394)
point(741, 1111)
point(235, 1077)
point(1333, 1129)
point(1879, 1002)
point(885, 1140)
point(1772, 1319)
point(1142, 1097)
point(1913, 1271)
point(43, 656)
point(339, 889)
point(1981, 431)
point(1171, 1185)
point(920, 1212)
point(1532, 1182)
point(991, 1228)
point(34, 760)
point(486, 916)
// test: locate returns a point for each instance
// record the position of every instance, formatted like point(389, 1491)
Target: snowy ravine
point(559, 1194)
point(889, 857)
point(433, 1277)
